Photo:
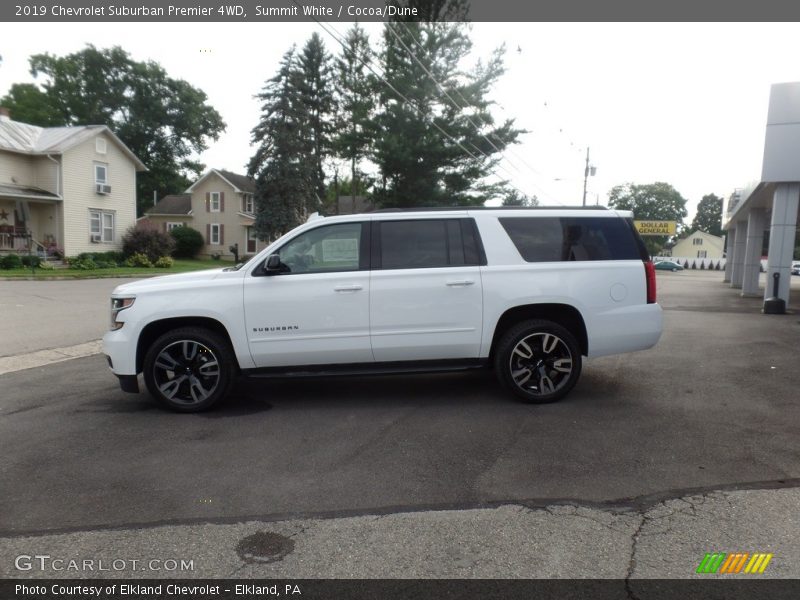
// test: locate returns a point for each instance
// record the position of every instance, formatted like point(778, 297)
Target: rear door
point(426, 299)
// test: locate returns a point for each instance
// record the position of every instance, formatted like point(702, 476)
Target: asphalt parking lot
point(708, 417)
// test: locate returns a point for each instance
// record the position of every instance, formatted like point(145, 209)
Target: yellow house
point(220, 206)
point(71, 189)
point(699, 245)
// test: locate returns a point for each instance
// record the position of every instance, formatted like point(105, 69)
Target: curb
point(41, 358)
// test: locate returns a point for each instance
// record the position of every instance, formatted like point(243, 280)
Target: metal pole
point(585, 175)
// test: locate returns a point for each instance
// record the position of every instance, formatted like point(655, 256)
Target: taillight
point(650, 277)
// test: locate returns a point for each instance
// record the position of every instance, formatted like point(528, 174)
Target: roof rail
point(445, 208)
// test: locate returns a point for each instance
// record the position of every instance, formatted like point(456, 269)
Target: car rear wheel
point(538, 360)
point(189, 369)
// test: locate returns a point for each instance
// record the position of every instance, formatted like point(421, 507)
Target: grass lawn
point(180, 266)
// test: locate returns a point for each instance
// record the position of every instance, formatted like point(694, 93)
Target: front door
point(315, 311)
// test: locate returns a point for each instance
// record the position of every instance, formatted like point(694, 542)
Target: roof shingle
point(174, 204)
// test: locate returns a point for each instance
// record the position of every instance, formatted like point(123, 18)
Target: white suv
point(526, 292)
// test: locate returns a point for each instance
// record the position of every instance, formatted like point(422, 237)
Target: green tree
point(164, 121)
point(355, 91)
point(285, 177)
point(317, 102)
point(650, 202)
point(436, 140)
point(709, 215)
point(517, 198)
point(29, 104)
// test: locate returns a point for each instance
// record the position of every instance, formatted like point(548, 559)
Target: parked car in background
point(668, 265)
point(796, 268)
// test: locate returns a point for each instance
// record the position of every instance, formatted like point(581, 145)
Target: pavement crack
point(632, 560)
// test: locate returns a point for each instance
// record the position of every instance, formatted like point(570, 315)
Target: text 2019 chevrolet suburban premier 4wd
point(527, 292)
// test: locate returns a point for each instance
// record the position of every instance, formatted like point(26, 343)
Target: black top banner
point(269, 11)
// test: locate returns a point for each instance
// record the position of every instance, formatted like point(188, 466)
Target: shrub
point(188, 242)
point(146, 239)
point(10, 261)
point(165, 262)
point(82, 264)
point(215, 256)
point(46, 266)
point(31, 261)
point(107, 257)
point(139, 260)
point(104, 264)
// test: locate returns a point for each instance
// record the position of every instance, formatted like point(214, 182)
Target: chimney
point(5, 114)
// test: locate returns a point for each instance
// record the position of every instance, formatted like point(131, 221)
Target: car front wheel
point(538, 360)
point(189, 369)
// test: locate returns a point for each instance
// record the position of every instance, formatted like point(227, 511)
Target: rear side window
point(426, 243)
point(559, 239)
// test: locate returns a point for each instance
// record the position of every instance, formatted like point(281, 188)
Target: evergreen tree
point(355, 91)
point(316, 93)
point(437, 141)
point(285, 177)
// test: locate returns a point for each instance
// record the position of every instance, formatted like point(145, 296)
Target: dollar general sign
point(655, 227)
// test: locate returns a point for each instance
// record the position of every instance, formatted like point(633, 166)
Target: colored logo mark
point(735, 562)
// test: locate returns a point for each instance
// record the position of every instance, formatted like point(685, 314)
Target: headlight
point(117, 305)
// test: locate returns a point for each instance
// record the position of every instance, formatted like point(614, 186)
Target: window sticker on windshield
point(340, 250)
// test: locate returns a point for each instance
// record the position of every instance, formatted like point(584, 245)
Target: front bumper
point(120, 349)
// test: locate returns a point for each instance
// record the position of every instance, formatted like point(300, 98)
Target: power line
point(338, 39)
point(508, 148)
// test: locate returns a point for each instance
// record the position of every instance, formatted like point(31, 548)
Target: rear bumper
point(625, 329)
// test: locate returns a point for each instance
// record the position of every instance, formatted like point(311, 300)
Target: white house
point(699, 245)
point(71, 188)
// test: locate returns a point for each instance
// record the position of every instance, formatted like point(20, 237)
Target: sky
point(681, 103)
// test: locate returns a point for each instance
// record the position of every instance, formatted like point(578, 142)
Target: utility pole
point(585, 175)
point(586, 172)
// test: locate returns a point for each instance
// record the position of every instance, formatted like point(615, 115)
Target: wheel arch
point(155, 329)
point(565, 315)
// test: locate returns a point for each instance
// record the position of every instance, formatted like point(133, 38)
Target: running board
point(386, 368)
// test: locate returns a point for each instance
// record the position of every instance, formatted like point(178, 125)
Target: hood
point(168, 281)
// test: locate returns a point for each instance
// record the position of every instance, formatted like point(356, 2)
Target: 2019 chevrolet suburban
point(527, 292)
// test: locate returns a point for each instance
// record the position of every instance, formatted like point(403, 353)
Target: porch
point(29, 224)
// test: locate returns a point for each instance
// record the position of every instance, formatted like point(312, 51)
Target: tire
point(539, 361)
point(674, 270)
point(207, 369)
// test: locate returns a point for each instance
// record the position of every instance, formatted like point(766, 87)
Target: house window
point(697, 242)
point(171, 225)
point(214, 201)
point(214, 237)
point(248, 204)
point(100, 145)
point(101, 224)
point(100, 173)
point(701, 253)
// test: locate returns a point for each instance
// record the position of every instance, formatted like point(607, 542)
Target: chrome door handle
point(460, 283)
point(347, 288)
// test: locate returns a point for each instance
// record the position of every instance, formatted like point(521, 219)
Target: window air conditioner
point(102, 188)
point(95, 238)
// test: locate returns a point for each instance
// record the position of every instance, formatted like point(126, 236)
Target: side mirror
point(273, 263)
